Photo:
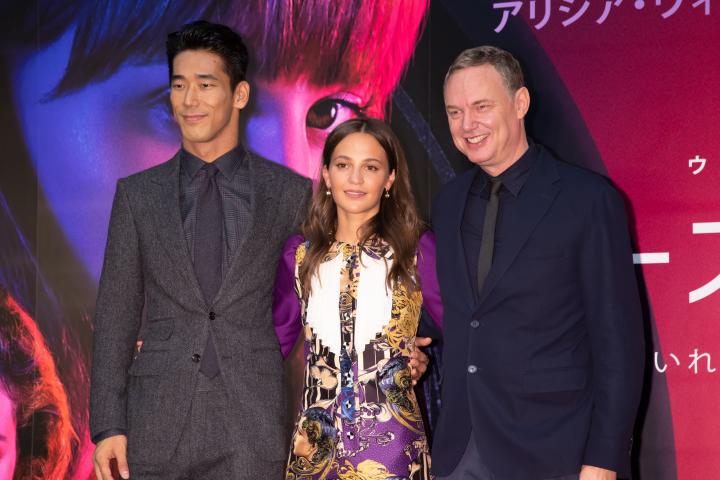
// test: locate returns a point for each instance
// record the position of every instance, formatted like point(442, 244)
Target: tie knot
point(495, 183)
point(210, 169)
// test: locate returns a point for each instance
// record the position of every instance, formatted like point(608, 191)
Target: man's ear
point(241, 96)
point(522, 102)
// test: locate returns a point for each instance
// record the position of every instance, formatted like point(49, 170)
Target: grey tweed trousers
point(204, 451)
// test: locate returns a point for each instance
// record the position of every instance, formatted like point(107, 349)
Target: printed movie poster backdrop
point(626, 88)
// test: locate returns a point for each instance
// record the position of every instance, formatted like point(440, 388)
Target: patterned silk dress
point(359, 418)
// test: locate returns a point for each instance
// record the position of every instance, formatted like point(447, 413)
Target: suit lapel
point(534, 200)
point(169, 224)
point(458, 250)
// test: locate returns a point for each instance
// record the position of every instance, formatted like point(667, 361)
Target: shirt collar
point(516, 175)
point(227, 163)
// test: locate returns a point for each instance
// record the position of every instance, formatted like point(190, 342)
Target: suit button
point(474, 324)
point(195, 357)
point(472, 369)
point(211, 315)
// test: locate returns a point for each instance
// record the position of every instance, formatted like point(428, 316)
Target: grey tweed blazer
point(148, 267)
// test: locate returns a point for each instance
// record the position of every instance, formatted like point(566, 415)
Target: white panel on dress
point(323, 309)
point(374, 302)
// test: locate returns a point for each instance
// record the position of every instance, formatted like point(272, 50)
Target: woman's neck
point(349, 226)
point(348, 234)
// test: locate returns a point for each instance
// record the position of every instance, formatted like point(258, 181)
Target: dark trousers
point(204, 451)
point(472, 467)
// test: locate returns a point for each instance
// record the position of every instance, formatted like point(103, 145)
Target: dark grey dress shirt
point(234, 183)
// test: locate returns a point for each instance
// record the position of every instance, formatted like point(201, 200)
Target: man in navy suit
point(544, 347)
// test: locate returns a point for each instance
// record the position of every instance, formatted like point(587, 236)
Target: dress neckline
point(374, 248)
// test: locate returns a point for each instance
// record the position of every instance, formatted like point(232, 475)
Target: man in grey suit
point(194, 243)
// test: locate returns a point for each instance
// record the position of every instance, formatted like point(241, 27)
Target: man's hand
point(114, 447)
point(588, 472)
point(418, 359)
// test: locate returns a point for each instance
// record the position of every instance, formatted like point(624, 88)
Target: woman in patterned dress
point(362, 271)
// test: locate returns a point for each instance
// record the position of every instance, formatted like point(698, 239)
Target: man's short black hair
point(215, 38)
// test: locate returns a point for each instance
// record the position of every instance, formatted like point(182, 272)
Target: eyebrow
point(368, 159)
point(201, 76)
point(476, 102)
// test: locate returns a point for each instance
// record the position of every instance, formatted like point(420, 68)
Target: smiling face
point(204, 105)
point(8, 448)
point(358, 175)
point(486, 120)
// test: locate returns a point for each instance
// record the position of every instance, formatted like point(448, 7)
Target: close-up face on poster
point(622, 88)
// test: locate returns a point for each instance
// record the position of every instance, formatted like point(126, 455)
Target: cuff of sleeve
point(106, 434)
point(611, 454)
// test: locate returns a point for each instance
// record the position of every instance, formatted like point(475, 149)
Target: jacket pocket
point(562, 380)
point(159, 329)
point(149, 362)
point(534, 252)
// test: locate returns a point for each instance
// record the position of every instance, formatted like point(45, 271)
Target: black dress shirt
point(513, 180)
point(233, 180)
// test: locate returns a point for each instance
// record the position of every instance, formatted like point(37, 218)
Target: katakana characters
point(713, 285)
point(696, 160)
point(506, 13)
point(576, 16)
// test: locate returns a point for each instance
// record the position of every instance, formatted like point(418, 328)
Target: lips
point(477, 139)
point(193, 117)
point(354, 193)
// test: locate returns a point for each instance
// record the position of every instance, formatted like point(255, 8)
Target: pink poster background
point(647, 89)
point(634, 96)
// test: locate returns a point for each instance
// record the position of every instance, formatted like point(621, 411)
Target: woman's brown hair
point(396, 223)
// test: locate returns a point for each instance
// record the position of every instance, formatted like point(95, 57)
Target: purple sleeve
point(286, 305)
point(428, 278)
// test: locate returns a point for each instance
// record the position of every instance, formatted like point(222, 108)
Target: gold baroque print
point(400, 331)
point(366, 470)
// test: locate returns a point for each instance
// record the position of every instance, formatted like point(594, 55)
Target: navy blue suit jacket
point(549, 377)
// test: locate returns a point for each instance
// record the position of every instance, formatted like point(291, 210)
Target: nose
point(468, 122)
point(191, 96)
point(356, 176)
